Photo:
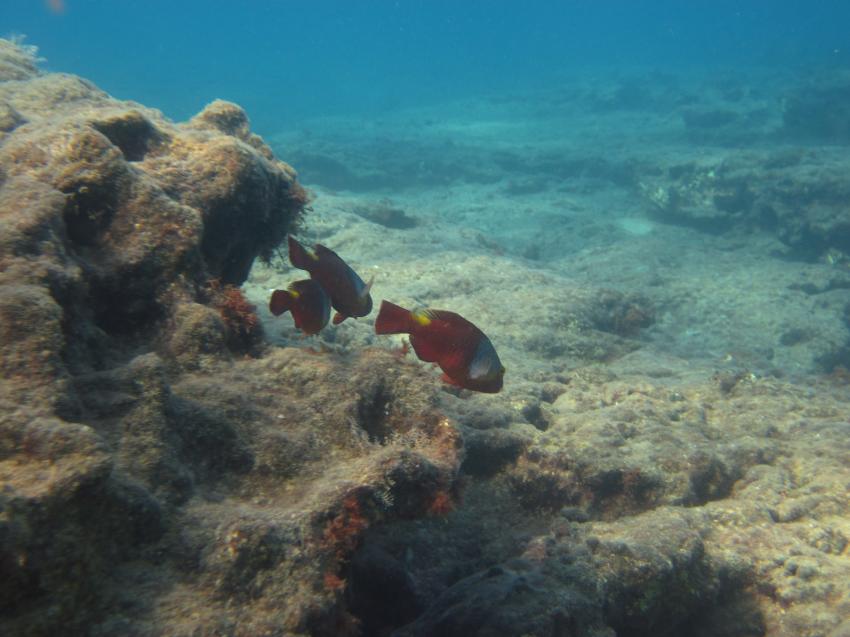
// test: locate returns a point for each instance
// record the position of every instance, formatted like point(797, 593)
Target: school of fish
point(461, 350)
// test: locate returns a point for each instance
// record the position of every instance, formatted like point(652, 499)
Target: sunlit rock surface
point(154, 479)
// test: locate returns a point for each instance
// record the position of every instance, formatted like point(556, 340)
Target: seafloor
point(660, 260)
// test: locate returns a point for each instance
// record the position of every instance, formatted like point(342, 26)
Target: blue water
point(287, 60)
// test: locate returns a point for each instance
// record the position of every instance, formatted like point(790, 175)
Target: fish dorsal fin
point(280, 302)
point(320, 250)
point(301, 256)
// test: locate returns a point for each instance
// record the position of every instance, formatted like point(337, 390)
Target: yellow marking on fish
point(294, 294)
point(420, 318)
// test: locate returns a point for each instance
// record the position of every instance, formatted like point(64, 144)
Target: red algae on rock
point(243, 327)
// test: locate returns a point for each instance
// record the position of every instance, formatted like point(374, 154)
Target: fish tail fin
point(393, 319)
point(280, 302)
point(298, 255)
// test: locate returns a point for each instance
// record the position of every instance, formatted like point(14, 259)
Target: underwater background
point(643, 206)
point(289, 60)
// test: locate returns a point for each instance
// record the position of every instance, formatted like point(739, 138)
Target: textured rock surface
point(155, 481)
point(683, 506)
point(113, 218)
point(164, 471)
point(817, 110)
point(800, 195)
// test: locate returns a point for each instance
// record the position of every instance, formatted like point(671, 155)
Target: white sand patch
point(637, 226)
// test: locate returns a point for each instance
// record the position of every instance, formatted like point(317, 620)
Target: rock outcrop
point(160, 476)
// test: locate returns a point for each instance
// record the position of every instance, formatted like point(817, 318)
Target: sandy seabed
point(660, 263)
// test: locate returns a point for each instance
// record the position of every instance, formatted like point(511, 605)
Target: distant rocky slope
point(724, 154)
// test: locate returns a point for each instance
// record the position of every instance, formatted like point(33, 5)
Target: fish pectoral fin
point(449, 380)
point(339, 318)
point(454, 358)
point(299, 256)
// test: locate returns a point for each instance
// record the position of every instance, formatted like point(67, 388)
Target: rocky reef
point(800, 195)
point(160, 473)
point(660, 503)
point(165, 469)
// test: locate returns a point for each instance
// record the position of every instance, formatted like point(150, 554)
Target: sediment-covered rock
point(720, 509)
point(113, 218)
point(154, 481)
point(799, 195)
point(817, 110)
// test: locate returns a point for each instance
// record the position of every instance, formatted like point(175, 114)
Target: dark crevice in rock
point(131, 132)
point(380, 592)
point(125, 303)
point(837, 359)
point(88, 211)
point(209, 443)
point(710, 479)
point(373, 412)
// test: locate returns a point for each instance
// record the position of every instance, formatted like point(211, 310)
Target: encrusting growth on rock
point(131, 434)
point(244, 330)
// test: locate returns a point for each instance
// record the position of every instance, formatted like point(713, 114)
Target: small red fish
point(310, 306)
point(349, 295)
point(464, 353)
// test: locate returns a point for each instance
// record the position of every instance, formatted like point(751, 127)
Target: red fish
point(464, 353)
point(310, 306)
point(349, 295)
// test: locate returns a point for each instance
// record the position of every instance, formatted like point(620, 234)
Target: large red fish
point(310, 306)
point(349, 295)
point(464, 353)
